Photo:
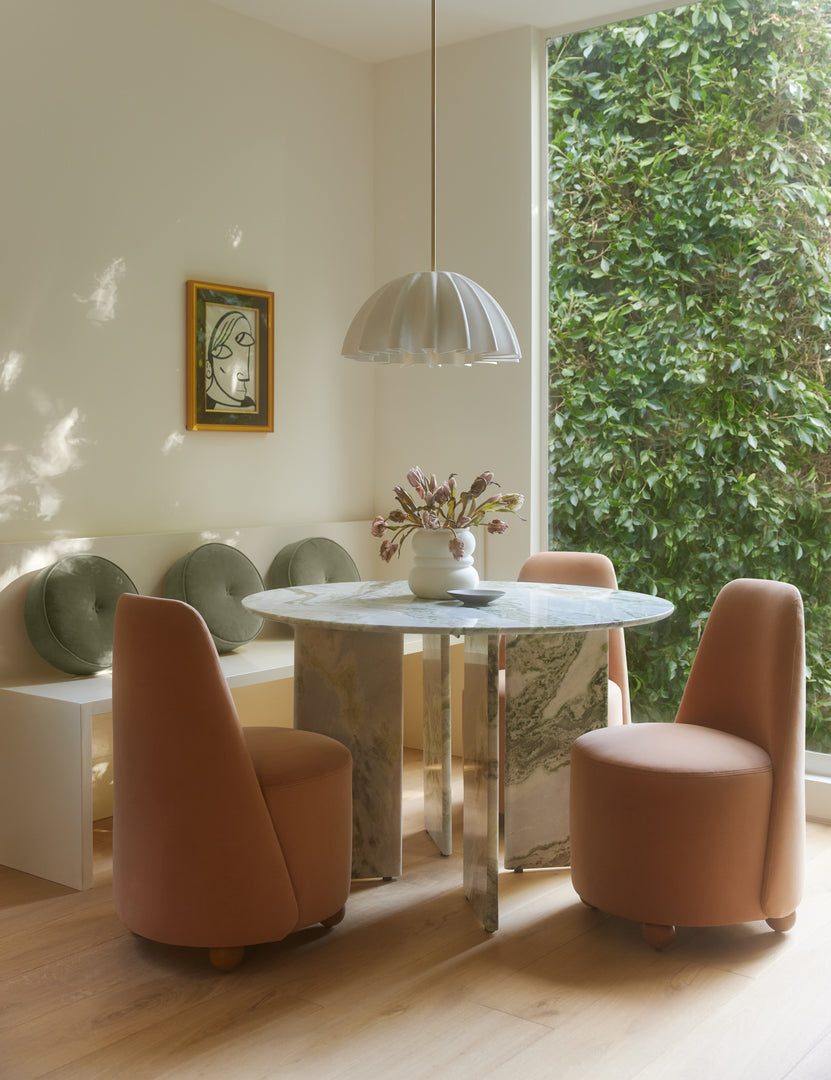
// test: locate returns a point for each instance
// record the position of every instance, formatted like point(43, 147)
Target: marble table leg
point(480, 731)
point(556, 687)
point(438, 793)
point(349, 684)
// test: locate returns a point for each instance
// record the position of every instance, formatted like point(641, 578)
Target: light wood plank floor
point(410, 986)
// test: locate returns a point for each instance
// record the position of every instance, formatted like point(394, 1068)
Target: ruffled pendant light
point(434, 316)
point(431, 317)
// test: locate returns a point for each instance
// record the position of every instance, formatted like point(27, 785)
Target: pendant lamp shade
point(432, 317)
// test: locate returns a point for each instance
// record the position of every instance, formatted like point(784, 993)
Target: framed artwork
point(230, 358)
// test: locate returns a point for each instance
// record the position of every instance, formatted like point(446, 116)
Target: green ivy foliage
point(690, 316)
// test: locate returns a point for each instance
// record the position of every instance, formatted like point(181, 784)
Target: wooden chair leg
point(657, 936)
point(783, 924)
point(333, 920)
point(227, 959)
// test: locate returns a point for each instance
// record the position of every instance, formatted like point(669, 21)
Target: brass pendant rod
point(433, 136)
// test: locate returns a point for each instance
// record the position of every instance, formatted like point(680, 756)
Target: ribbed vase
point(435, 571)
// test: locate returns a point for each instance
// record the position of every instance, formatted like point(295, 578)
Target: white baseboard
point(818, 798)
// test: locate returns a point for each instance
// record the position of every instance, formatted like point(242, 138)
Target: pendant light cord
point(433, 136)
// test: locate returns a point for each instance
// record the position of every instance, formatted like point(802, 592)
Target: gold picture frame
point(230, 358)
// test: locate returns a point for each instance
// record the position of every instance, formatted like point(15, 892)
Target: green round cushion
point(214, 578)
point(313, 561)
point(70, 609)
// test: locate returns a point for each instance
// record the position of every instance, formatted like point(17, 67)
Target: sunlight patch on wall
point(104, 297)
point(60, 454)
point(232, 539)
point(60, 448)
point(26, 480)
point(10, 500)
point(235, 236)
point(173, 440)
point(39, 556)
point(10, 368)
point(212, 536)
point(49, 502)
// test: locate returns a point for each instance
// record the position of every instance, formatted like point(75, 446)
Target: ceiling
point(377, 30)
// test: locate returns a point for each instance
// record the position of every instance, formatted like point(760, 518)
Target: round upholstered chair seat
point(313, 561)
point(669, 823)
point(69, 612)
point(306, 780)
point(214, 578)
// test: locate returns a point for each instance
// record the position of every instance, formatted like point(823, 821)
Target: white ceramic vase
point(434, 568)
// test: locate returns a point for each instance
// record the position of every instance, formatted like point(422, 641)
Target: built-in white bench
point(55, 729)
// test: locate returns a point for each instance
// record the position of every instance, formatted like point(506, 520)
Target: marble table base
point(480, 732)
point(556, 687)
point(349, 685)
point(438, 793)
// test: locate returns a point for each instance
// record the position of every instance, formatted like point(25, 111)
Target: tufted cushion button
point(315, 560)
point(70, 609)
point(214, 578)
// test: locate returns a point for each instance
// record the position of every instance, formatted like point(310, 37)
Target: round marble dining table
point(349, 684)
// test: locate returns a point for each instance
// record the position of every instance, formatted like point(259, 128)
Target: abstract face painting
point(230, 373)
point(228, 383)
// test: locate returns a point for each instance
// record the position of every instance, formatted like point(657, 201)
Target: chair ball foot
point(226, 959)
point(658, 936)
point(333, 920)
point(783, 924)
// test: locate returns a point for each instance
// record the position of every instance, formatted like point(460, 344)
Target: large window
point(690, 325)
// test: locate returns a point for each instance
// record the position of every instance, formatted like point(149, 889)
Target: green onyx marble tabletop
point(525, 608)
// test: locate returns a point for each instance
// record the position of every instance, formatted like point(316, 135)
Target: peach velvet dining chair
point(701, 822)
point(575, 568)
point(223, 836)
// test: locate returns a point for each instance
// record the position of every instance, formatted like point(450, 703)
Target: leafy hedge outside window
point(690, 317)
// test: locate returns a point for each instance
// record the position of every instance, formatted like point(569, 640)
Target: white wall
point(489, 183)
point(145, 142)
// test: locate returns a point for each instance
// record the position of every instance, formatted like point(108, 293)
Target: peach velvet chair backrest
point(585, 568)
point(195, 856)
point(748, 679)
